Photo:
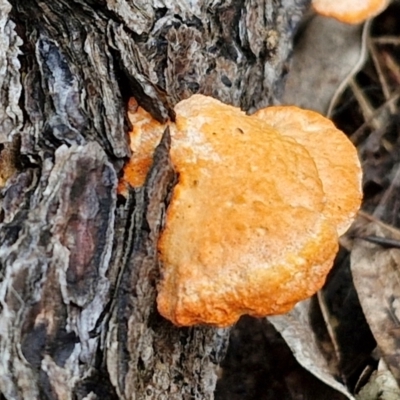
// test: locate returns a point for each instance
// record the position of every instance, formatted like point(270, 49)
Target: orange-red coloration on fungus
point(350, 11)
point(336, 161)
point(144, 138)
point(253, 223)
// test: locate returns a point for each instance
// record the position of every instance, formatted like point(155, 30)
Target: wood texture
point(78, 265)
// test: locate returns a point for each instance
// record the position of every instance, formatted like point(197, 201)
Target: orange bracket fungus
point(350, 11)
point(253, 223)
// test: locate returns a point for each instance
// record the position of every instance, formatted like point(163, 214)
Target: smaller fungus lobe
point(350, 11)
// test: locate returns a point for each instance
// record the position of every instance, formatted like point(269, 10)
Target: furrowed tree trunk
point(79, 264)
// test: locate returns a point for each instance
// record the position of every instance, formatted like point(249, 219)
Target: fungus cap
point(350, 11)
point(334, 155)
point(144, 137)
point(249, 229)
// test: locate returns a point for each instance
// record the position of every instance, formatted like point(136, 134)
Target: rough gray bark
point(78, 264)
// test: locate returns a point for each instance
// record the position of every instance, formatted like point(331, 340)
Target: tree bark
point(78, 264)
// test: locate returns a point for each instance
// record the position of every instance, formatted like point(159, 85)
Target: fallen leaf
point(295, 327)
point(376, 275)
point(334, 52)
point(381, 385)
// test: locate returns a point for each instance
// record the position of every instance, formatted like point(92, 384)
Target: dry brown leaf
point(376, 275)
point(345, 322)
point(381, 385)
point(295, 328)
point(327, 55)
